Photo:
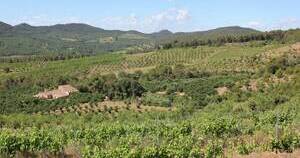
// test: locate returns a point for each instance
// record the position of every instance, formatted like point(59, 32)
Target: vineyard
point(226, 58)
point(211, 58)
point(203, 134)
point(109, 107)
point(165, 57)
point(163, 103)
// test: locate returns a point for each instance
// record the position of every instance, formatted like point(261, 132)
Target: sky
point(155, 15)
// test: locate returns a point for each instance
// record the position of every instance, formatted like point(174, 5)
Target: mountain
point(24, 39)
point(162, 34)
point(231, 30)
point(4, 27)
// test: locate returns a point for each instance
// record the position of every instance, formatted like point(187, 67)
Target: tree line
point(49, 57)
point(266, 36)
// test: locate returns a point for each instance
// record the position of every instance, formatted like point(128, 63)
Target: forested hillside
point(24, 39)
point(82, 39)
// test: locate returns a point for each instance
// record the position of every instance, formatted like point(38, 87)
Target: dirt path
point(295, 154)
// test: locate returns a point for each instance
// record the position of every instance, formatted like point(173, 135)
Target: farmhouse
point(62, 91)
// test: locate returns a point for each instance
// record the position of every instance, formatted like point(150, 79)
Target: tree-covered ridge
point(212, 34)
point(24, 39)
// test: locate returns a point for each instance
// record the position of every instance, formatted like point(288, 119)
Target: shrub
point(156, 100)
point(244, 149)
point(288, 143)
point(213, 150)
point(221, 127)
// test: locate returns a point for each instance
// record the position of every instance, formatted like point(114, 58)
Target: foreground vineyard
point(202, 134)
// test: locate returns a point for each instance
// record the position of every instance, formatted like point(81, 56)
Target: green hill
point(211, 34)
point(76, 38)
point(24, 39)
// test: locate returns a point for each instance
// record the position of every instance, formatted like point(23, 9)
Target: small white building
point(62, 91)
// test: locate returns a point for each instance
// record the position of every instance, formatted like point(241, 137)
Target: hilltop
point(213, 34)
point(4, 27)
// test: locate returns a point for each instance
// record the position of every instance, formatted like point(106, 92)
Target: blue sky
point(155, 15)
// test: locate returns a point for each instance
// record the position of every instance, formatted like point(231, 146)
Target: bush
point(213, 150)
point(220, 127)
point(156, 100)
point(282, 64)
point(118, 88)
point(288, 143)
point(244, 149)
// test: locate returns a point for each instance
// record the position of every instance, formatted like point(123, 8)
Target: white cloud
point(182, 15)
point(170, 18)
point(174, 14)
point(130, 22)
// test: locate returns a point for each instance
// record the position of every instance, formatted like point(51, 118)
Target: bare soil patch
point(295, 154)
